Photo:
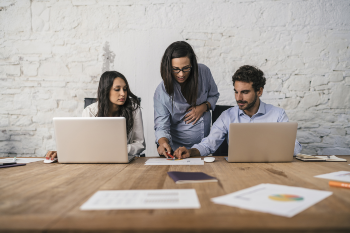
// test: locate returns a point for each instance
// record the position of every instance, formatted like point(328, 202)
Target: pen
point(170, 155)
point(339, 184)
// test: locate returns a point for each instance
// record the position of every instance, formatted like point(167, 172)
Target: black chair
point(223, 148)
point(88, 101)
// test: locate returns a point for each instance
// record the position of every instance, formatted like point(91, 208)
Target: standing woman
point(183, 99)
point(114, 99)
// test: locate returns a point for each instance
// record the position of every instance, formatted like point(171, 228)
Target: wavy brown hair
point(126, 110)
point(249, 74)
point(190, 89)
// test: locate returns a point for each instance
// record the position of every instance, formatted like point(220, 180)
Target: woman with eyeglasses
point(183, 99)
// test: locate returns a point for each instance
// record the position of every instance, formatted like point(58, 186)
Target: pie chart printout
point(285, 197)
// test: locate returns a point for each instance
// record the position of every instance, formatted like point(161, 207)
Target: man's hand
point(51, 155)
point(164, 147)
point(182, 153)
point(195, 113)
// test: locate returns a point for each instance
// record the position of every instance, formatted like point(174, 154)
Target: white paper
point(339, 176)
point(165, 161)
point(264, 198)
point(331, 158)
point(21, 160)
point(143, 199)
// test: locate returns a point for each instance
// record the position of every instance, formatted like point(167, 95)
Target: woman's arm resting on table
point(51, 155)
point(137, 143)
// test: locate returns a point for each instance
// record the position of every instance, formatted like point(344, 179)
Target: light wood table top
point(42, 197)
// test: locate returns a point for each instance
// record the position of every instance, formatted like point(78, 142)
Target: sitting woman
point(114, 99)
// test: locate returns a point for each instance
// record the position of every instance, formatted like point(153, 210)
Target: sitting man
point(248, 82)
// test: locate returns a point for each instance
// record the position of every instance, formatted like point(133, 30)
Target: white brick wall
point(53, 52)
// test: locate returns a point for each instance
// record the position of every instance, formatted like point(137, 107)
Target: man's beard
point(249, 106)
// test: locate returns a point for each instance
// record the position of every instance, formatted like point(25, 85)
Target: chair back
point(223, 148)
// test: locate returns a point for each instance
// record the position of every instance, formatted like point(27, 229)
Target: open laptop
point(91, 140)
point(262, 142)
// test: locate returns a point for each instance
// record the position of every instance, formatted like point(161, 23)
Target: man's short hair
point(249, 74)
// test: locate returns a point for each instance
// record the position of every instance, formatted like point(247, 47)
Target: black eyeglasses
point(185, 69)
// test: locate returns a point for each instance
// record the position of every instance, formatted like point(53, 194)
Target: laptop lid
point(262, 142)
point(91, 139)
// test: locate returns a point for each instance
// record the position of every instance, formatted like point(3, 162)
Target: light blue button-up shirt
point(220, 129)
point(169, 119)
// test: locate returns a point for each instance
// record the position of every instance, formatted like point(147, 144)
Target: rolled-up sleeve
point(137, 143)
point(297, 146)
point(213, 93)
point(217, 136)
point(161, 119)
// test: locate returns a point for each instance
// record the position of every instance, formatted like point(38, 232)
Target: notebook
point(191, 177)
point(316, 158)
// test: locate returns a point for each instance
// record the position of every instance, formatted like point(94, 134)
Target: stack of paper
point(21, 160)
point(315, 158)
point(143, 199)
point(275, 199)
point(165, 161)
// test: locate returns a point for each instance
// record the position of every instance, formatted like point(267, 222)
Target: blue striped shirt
point(220, 129)
point(168, 119)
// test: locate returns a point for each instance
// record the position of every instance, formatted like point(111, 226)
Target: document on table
point(275, 199)
point(21, 160)
point(143, 199)
point(165, 161)
point(339, 176)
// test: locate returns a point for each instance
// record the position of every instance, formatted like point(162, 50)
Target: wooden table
point(42, 197)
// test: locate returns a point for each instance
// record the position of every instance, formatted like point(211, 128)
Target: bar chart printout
point(143, 199)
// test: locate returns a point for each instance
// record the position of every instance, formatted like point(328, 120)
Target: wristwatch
point(207, 106)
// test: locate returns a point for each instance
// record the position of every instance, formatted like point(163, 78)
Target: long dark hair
point(125, 110)
point(190, 89)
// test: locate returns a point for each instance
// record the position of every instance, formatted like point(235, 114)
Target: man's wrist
point(194, 152)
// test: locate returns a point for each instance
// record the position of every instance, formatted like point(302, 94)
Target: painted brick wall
point(52, 53)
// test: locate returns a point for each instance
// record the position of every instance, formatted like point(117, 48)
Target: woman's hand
point(164, 147)
point(51, 155)
point(195, 113)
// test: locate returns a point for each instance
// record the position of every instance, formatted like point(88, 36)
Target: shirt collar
point(261, 110)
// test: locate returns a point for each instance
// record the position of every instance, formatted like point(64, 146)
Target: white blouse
point(136, 139)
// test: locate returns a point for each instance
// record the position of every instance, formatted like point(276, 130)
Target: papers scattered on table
point(143, 199)
point(21, 160)
point(165, 161)
point(315, 158)
point(275, 199)
point(340, 176)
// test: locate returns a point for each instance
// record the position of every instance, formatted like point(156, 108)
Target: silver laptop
point(262, 142)
point(91, 140)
